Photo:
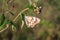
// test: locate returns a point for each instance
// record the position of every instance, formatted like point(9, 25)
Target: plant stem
point(14, 20)
point(4, 28)
point(20, 13)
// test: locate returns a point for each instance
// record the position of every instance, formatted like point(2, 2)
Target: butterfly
point(31, 21)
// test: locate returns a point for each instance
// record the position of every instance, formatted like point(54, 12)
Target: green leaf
point(30, 6)
point(4, 23)
point(2, 18)
point(23, 16)
point(12, 23)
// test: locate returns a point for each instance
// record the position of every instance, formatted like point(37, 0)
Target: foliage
point(45, 23)
point(5, 21)
point(27, 33)
point(55, 3)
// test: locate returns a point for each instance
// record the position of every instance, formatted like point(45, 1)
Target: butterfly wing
point(31, 21)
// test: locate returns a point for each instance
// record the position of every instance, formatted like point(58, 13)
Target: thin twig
point(22, 24)
point(4, 28)
point(20, 13)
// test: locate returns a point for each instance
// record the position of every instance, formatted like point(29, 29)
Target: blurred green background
point(47, 29)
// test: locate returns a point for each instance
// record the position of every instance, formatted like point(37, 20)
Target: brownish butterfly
point(31, 21)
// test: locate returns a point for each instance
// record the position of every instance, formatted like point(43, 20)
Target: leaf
point(22, 16)
point(30, 6)
point(4, 23)
point(2, 18)
point(12, 23)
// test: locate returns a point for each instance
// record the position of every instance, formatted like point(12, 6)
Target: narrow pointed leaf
point(2, 18)
point(4, 23)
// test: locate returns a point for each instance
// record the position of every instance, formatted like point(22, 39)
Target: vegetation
point(13, 25)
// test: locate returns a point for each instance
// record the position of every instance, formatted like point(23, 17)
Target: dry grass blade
point(4, 28)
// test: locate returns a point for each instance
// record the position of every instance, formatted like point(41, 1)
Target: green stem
point(20, 13)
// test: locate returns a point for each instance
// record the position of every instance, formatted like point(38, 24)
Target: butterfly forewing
point(31, 21)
